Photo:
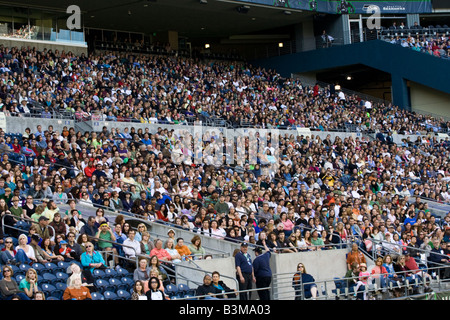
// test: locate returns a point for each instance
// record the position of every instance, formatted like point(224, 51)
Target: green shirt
point(16, 211)
point(317, 242)
point(104, 236)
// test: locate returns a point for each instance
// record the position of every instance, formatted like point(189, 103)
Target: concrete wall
point(19, 124)
point(429, 100)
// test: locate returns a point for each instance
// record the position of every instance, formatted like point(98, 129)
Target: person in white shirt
point(131, 247)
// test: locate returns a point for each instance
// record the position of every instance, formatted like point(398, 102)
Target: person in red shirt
point(160, 252)
point(355, 256)
point(411, 265)
point(89, 170)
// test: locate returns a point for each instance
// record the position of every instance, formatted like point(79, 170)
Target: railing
point(328, 290)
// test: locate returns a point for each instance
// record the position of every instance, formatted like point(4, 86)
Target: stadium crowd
point(170, 89)
point(325, 192)
point(435, 45)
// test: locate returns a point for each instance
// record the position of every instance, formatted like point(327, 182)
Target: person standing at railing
point(244, 271)
point(437, 258)
point(262, 271)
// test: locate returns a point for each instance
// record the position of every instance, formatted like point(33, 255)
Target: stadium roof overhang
point(190, 18)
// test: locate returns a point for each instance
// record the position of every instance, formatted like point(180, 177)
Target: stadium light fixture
point(203, 1)
point(280, 44)
point(337, 87)
point(207, 46)
point(287, 12)
point(349, 78)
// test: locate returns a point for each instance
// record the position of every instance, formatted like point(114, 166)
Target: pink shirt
point(162, 254)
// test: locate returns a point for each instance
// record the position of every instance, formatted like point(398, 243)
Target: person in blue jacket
point(262, 271)
point(303, 279)
point(91, 259)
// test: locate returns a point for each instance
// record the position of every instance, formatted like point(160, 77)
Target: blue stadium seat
point(109, 295)
point(19, 278)
point(123, 294)
point(62, 276)
point(39, 267)
point(49, 290)
point(127, 283)
point(101, 285)
point(61, 286)
point(16, 270)
point(122, 272)
point(97, 296)
point(62, 265)
point(98, 274)
point(183, 290)
point(116, 283)
point(51, 267)
point(171, 290)
point(48, 278)
point(24, 268)
point(111, 273)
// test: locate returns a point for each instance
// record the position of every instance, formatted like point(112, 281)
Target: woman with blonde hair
point(76, 290)
point(29, 283)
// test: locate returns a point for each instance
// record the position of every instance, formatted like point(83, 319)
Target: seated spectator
point(226, 291)
point(155, 292)
point(207, 289)
point(304, 282)
point(91, 259)
point(26, 251)
point(142, 272)
point(29, 284)
point(138, 291)
point(106, 240)
point(174, 253)
point(9, 287)
point(355, 256)
point(131, 246)
point(75, 290)
point(183, 250)
point(146, 244)
point(379, 274)
point(195, 247)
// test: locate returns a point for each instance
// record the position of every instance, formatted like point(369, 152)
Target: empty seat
point(183, 289)
point(101, 285)
point(97, 296)
point(127, 283)
point(111, 273)
point(51, 267)
point(98, 274)
point(123, 294)
point(171, 290)
point(39, 267)
point(62, 276)
point(109, 295)
point(48, 278)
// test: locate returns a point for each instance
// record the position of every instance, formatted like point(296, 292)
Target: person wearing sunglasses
point(303, 279)
point(9, 287)
point(91, 259)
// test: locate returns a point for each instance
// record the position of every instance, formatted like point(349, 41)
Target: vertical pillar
point(173, 39)
point(400, 92)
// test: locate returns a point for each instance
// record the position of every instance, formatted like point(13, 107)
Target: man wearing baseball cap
point(244, 271)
